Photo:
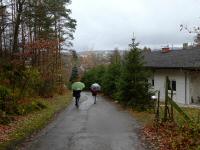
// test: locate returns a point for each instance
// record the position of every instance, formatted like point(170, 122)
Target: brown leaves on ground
point(5, 130)
point(169, 136)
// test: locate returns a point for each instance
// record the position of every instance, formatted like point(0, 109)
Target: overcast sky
point(109, 24)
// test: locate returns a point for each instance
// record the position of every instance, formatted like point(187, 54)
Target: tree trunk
point(17, 24)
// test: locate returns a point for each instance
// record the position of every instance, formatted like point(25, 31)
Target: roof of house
point(186, 59)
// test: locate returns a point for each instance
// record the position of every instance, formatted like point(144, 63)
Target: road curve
point(98, 126)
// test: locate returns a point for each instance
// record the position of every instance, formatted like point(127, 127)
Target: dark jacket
point(94, 92)
point(76, 93)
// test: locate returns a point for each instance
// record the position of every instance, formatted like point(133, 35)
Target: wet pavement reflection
point(92, 126)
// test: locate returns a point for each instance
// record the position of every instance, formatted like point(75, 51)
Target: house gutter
point(181, 68)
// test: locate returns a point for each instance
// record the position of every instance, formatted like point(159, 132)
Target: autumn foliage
point(32, 36)
point(171, 136)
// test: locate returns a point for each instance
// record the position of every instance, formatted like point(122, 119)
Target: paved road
point(98, 126)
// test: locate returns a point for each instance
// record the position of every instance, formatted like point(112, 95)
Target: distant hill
point(103, 53)
point(86, 61)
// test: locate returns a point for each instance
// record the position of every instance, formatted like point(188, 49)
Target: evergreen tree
point(74, 56)
point(74, 74)
point(89, 78)
point(112, 75)
point(95, 75)
point(49, 19)
point(133, 88)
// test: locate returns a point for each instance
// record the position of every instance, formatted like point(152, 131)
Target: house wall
point(188, 91)
point(180, 95)
point(195, 86)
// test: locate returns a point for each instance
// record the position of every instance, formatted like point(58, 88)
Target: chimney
point(166, 50)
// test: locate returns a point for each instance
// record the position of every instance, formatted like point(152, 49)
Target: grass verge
point(144, 118)
point(171, 135)
point(33, 122)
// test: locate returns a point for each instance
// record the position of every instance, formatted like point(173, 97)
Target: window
point(152, 82)
point(172, 84)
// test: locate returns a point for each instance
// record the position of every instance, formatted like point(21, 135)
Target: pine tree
point(112, 74)
point(74, 74)
point(133, 85)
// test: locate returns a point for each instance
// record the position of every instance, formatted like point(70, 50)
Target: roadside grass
point(148, 117)
point(144, 118)
point(193, 113)
point(26, 125)
point(179, 134)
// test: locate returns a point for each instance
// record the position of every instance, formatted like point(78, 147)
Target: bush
point(5, 95)
point(34, 81)
point(47, 88)
point(110, 79)
point(94, 75)
point(61, 89)
point(5, 119)
point(23, 109)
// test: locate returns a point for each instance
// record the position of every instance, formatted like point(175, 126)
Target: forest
point(33, 34)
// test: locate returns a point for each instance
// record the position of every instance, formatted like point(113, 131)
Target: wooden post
point(198, 117)
point(158, 108)
point(166, 99)
point(172, 111)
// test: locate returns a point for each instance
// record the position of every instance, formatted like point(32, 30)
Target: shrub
point(5, 95)
point(61, 89)
point(47, 88)
point(23, 109)
point(110, 79)
point(94, 75)
point(34, 81)
point(5, 119)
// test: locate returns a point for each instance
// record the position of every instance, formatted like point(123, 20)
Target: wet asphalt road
point(98, 126)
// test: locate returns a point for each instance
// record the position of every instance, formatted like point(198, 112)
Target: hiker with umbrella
point(95, 88)
point(77, 87)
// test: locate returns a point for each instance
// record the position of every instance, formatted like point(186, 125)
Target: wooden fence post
point(166, 98)
point(172, 110)
point(158, 108)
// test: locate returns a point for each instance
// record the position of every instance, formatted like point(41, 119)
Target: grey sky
point(107, 24)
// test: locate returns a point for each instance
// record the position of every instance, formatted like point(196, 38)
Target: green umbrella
point(78, 86)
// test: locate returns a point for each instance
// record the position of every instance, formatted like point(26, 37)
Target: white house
point(183, 69)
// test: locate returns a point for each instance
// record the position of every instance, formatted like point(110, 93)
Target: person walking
point(77, 87)
point(77, 95)
point(95, 88)
point(94, 94)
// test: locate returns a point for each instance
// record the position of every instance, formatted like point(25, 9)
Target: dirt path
point(98, 126)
